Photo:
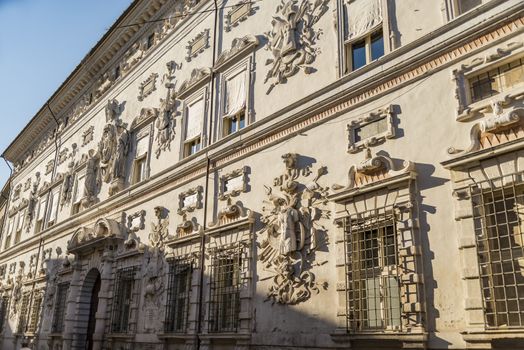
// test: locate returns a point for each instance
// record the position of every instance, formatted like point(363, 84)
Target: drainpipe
point(208, 168)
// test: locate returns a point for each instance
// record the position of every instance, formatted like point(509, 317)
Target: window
point(9, 232)
point(463, 6)
point(234, 104)
point(194, 125)
point(373, 283)
point(365, 50)
point(498, 216)
point(22, 320)
point(140, 162)
point(497, 80)
point(150, 41)
point(4, 311)
point(35, 314)
point(227, 278)
point(60, 307)
point(125, 281)
point(19, 226)
point(54, 200)
point(39, 225)
point(364, 38)
point(78, 193)
point(117, 72)
point(178, 292)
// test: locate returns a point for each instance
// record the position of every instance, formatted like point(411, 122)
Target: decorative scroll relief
point(231, 214)
point(165, 124)
point(503, 126)
point(190, 200)
point(238, 13)
point(197, 45)
point(198, 77)
point(102, 229)
point(49, 166)
point(467, 110)
point(87, 135)
point(292, 231)
point(373, 169)
point(147, 87)
point(371, 130)
point(292, 39)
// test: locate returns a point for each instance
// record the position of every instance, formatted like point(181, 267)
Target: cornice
point(255, 138)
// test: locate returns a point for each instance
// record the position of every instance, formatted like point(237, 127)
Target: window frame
point(186, 144)
point(367, 46)
point(143, 133)
point(177, 316)
point(60, 307)
point(121, 317)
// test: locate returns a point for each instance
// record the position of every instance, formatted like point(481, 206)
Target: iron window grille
point(123, 297)
point(35, 314)
point(372, 281)
point(229, 268)
point(498, 217)
point(4, 311)
point(60, 306)
point(22, 320)
point(178, 292)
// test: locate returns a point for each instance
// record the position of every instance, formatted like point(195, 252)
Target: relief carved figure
point(292, 39)
point(92, 180)
point(31, 205)
point(165, 125)
point(113, 148)
point(67, 187)
point(292, 232)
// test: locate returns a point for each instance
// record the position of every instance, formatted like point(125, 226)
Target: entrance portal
point(87, 307)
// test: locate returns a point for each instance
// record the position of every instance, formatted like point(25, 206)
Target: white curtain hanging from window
point(41, 209)
point(235, 94)
point(195, 116)
point(53, 201)
point(79, 192)
point(363, 17)
point(142, 146)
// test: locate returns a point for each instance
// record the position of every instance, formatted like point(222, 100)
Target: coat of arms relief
point(292, 39)
point(293, 232)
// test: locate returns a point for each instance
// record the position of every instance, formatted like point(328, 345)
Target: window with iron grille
point(498, 215)
point(372, 273)
point(178, 292)
point(229, 269)
point(22, 320)
point(60, 306)
point(35, 314)
point(4, 311)
point(123, 297)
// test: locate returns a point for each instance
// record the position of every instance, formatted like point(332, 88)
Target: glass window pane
point(377, 46)
point(358, 54)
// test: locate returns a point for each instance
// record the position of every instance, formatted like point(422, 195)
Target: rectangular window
point(194, 126)
point(35, 314)
point(19, 226)
point(60, 307)
point(78, 193)
point(497, 80)
point(39, 225)
point(366, 50)
point(54, 200)
point(140, 162)
point(22, 320)
point(178, 292)
point(498, 216)
point(4, 311)
point(228, 272)
point(9, 232)
point(234, 113)
point(123, 297)
point(373, 283)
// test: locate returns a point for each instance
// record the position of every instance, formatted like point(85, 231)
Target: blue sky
point(41, 42)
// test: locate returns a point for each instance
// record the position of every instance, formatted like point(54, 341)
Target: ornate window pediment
point(502, 129)
point(475, 77)
point(199, 76)
point(102, 230)
point(230, 216)
point(239, 48)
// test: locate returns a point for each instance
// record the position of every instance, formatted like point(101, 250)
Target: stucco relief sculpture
point(292, 39)
point(291, 231)
point(31, 205)
point(113, 148)
point(91, 181)
point(67, 185)
point(165, 124)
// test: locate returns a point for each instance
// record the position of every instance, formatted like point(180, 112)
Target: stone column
point(106, 293)
point(72, 302)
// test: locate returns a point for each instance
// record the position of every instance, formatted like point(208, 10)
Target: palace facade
point(276, 174)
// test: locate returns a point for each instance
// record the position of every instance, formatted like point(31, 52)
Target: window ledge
point(387, 336)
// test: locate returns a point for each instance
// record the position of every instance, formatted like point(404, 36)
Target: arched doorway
point(87, 306)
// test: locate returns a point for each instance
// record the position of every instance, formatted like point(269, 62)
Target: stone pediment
point(231, 215)
point(503, 128)
point(87, 237)
point(373, 171)
point(198, 77)
point(239, 47)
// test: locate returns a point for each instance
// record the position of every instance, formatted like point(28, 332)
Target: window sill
point(385, 336)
